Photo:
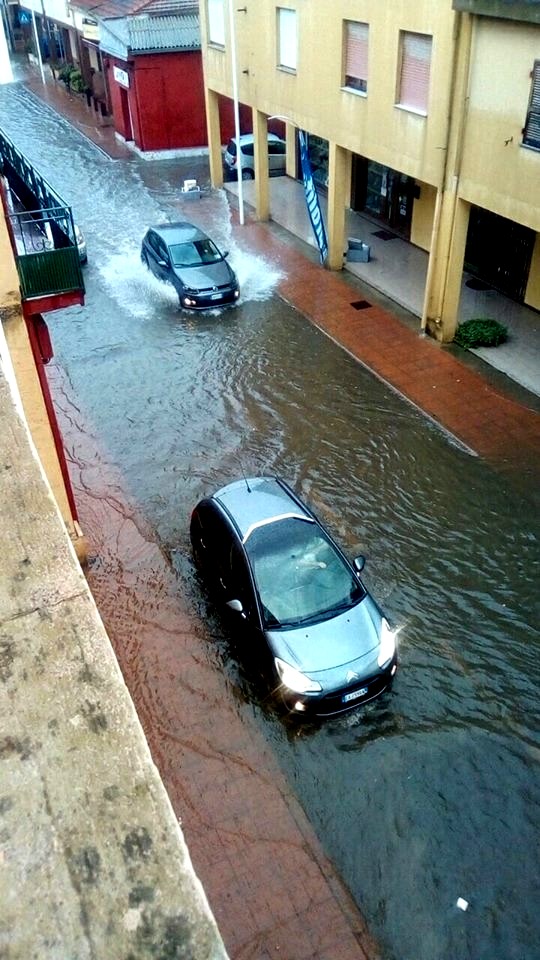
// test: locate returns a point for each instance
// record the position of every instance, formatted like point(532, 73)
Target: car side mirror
point(236, 607)
point(225, 254)
point(359, 564)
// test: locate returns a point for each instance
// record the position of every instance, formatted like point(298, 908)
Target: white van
point(277, 149)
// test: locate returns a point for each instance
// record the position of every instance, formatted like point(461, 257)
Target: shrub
point(76, 81)
point(65, 72)
point(480, 332)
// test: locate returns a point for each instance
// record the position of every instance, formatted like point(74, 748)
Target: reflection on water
point(431, 793)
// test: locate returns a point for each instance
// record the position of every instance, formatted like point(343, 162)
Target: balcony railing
point(42, 231)
point(46, 252)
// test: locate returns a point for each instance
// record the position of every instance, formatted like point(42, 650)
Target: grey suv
point(183, 255)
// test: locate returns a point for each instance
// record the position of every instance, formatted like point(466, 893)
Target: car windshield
point(299, 574)
point(194, 253)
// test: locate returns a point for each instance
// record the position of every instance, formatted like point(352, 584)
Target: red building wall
point(163, 108)
point(170, 100)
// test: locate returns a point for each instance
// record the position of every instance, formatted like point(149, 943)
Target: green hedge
point(480, 332)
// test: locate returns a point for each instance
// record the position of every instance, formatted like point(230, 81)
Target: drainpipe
point(236, 115)
point(38, 48)
point(458, 105)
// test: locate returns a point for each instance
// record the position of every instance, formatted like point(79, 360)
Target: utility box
point(190, 190)
point(358, 251)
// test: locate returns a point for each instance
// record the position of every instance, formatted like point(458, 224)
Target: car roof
point(178, 232)
point(255, 501)
point(248, 137)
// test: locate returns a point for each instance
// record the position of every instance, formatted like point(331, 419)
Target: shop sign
point(121, 77)
point(90, 29)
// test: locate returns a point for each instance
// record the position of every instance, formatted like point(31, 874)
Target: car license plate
point(215, 296)
point(355, 694)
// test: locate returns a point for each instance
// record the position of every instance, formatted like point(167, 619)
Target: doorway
point(499, 252)
point(126, 113)
point(382, 193)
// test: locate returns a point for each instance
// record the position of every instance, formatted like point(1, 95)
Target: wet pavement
point(427, 795)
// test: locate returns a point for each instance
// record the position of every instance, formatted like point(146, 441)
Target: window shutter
point(415, 69)
point(531, 134)
point(287, 38)
point(216, 22)
point(356, 56)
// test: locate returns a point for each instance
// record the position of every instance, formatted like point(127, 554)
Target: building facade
point(420, 115)
point(153, 71)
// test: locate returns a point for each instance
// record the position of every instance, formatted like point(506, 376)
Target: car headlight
point(295, 680)
point(387, 647)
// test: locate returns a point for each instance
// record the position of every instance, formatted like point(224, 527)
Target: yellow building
point(25, 346)
point(422, 115)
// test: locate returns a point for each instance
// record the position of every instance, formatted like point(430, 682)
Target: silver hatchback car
point(321, 639)
point(277, 149)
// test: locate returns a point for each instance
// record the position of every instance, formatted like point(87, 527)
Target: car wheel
point(199, 555)
point(247, 175)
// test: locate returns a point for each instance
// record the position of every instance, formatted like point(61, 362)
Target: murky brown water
point(431, 793)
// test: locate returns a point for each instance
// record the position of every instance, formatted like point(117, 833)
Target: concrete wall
point(422, 220)
point(94, 864)
point(16, 335)
point(532, 295)
point(497, 171)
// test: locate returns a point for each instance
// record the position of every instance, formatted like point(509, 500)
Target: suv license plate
point(354, 696)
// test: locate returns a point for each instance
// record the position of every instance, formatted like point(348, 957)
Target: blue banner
point(312, 199)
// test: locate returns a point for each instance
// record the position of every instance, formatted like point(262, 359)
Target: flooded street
point(431, 793)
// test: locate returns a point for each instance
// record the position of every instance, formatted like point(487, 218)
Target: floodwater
point(431, 793)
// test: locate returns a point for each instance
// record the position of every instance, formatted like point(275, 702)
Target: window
point(415, 67)
point(216, 22)
point(286, 38)
point(356, 55)
point(277, 148)
point(531, 130)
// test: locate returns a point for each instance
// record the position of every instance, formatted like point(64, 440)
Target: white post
point(38, 48)
point(236, 114)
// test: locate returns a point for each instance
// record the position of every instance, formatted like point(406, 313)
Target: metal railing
point(43, 237)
